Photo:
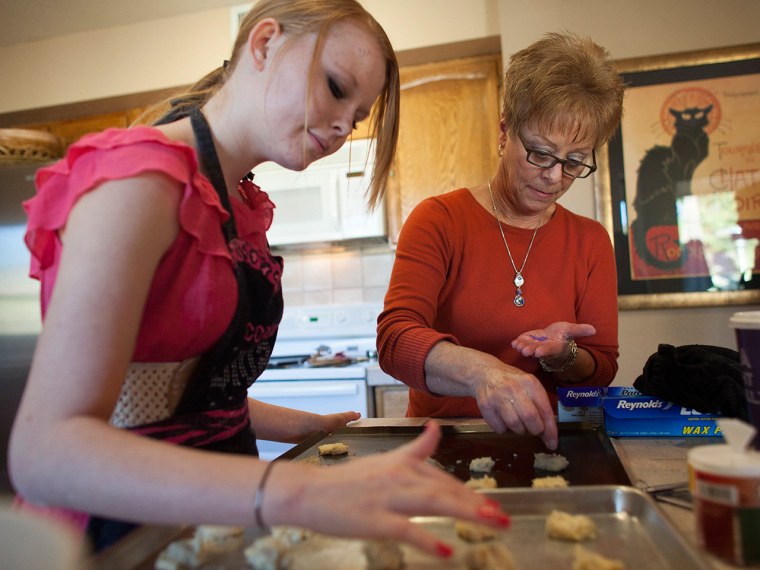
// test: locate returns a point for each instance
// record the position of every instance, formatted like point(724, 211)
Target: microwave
point(326, 202)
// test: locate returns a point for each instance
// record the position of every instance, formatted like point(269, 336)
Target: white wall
point(177, 51)
point(115, 61)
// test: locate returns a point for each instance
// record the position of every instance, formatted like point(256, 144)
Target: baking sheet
point(593, 460)
point(630, 529)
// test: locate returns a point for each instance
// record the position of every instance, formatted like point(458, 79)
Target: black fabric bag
point(705, 378)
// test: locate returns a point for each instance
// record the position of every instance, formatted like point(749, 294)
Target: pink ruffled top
point(194, 293)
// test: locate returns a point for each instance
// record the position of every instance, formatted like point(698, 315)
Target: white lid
point(745, 320)
point(720, 459)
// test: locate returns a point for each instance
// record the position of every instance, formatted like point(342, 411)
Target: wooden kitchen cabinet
point(448, 132)
point(73, 129)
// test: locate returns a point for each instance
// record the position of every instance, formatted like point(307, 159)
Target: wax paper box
point(648, 416)
point(624, 411)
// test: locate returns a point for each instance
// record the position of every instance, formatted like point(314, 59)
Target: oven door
point(319, 396)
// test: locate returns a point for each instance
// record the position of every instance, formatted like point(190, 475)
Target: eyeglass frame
point(562, 161)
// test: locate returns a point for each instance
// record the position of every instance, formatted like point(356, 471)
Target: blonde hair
point(297, 18)
point(565, 83)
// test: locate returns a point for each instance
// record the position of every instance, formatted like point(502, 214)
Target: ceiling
point(32, 20)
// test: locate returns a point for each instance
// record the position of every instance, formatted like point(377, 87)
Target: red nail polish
point(489, 512)
point(444, 550)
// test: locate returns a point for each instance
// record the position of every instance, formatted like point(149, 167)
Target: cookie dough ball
point(333, 449)
point(550, 461)
point(584, 559)
point(290, 535)
point(549, 482)
point(485, 482)
point(564, 526)
point(490, 556)
point(383, 555)
point(265, 553)
point(215, 539)
point(482, 465)
point(473, 532)
point(179, 555)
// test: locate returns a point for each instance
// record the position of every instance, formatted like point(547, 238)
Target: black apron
point(213, 411)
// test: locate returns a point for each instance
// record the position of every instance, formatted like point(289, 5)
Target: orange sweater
point(452, 280)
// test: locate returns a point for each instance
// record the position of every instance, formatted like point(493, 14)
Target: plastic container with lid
point(725, 485)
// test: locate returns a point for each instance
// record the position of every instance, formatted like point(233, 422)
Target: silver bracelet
point(567, 364)
point(258, 499)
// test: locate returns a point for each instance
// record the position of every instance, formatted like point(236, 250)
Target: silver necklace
point(519, 280)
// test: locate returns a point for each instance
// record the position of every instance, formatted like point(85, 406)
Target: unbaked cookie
point(565, 526)
point(585, 559)
point(551, 481)
point(550, 461)
point(482, 464)
point(490, 556)
point(485, 482)
point(333, 449)
point(474, 532)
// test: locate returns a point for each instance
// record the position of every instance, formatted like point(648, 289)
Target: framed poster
point(678, 186)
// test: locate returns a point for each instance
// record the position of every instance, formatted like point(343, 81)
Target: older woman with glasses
point(499, 295)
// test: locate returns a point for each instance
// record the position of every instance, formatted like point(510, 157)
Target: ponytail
point(179, 105)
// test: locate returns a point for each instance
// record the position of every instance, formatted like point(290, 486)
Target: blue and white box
point(624, 411)
point(641, 415)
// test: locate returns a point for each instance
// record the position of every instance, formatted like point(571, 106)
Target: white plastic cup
point(725, 485)
point(746, 324)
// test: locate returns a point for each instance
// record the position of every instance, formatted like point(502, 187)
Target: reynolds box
point(585, 404)
point(624, 411)
point(639, 415)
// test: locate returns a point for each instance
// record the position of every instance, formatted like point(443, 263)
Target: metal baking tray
point(630, 529)
point(593, 459)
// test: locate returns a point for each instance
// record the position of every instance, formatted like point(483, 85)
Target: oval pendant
point(519, 281)
point(519, 300)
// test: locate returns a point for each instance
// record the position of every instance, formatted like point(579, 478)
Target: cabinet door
point(448, 132)
point(72, 130)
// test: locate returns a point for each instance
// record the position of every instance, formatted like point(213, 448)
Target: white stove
point(319, 362)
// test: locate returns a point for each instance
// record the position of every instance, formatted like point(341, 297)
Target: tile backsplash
point(352, 276)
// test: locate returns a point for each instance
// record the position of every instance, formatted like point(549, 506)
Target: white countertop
point(376, 377)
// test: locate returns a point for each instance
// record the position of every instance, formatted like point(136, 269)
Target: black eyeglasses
point(571, 168)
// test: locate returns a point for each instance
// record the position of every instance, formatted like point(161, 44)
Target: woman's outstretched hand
point(373, 497)
point(552, 341)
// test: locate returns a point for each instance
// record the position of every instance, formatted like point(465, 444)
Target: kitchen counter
point(648, 462)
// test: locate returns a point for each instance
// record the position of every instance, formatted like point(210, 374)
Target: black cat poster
point(684, 175)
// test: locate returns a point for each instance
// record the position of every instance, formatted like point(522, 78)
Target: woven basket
point(26, 145)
